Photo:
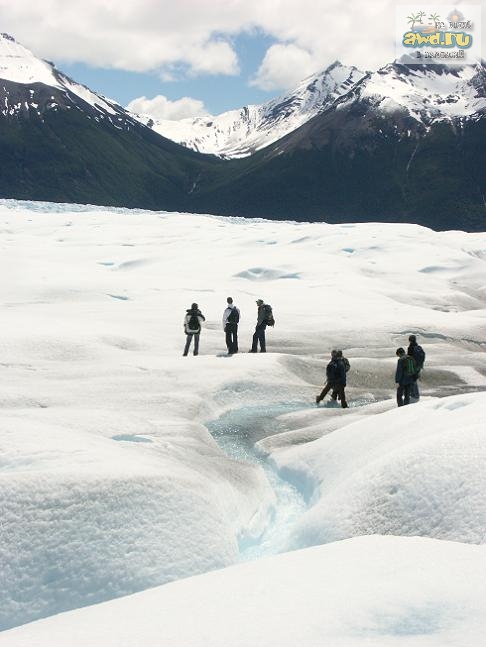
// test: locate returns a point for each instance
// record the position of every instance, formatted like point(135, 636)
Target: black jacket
point(336, 372)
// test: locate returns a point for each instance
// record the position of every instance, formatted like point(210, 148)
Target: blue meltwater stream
point(236, 432)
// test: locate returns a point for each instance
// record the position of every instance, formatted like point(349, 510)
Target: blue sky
point(218, 92)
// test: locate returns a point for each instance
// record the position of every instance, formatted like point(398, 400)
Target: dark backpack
point(409, 366)
point(332, 371)
point(269, 320)
point(346, 363)
point(234, 316)
point(193, 323)
point(419, 355)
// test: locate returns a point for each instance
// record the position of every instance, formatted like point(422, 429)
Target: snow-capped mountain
point(405, 144)
point(60, 141)
point(428, 94)
point(398, 101)
point(29, 84)
point(239, 133)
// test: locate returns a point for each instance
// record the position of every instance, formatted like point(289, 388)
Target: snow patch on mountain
point(239, 133)
point(19, 65)
point(427, 93)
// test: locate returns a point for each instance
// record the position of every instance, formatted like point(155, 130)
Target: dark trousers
point(259, 337)
point(414, 390)
point(403, 394)
point(231, 331)
point(337, 389)
point(188, 343)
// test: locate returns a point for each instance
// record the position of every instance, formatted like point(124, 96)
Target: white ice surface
point(110, 482)
point(419, 470)
point(364, 592)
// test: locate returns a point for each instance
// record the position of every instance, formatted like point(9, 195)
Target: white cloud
point(283, 67)
point(163, 37)
point(162, 108)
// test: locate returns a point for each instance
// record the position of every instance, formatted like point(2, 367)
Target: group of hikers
point(408, 369)
point(407, 373)
point(231, 318)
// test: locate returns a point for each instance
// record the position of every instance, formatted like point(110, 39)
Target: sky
point(196, 57)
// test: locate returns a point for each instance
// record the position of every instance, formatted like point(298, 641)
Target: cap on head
point(259, 302)
point(400, 351)
point(412, 338)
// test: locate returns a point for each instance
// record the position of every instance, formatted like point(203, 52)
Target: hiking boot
point(318, 399)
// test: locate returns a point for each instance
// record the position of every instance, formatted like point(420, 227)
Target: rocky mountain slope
point(404, 144)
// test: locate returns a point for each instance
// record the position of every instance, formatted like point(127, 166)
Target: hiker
point(340, 357)
point(404, 376)
point(264, 319)
point(418, 353)
point(231, 317)
point(336, 379)
point(192, 327)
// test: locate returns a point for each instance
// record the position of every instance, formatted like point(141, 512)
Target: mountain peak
point(239, 133)
point(428, 93)
point(19, 65)
point(7, 37)
point(334, 65)
point(31, 83)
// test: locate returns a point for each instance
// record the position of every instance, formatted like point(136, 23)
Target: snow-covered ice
point(372, 591)
point(110, 481)
point(416, 471)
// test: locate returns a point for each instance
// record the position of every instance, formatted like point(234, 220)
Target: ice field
point(125, 466)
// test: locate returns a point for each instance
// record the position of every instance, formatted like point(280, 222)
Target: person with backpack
point(340, 357)
point(418, 353)
point(264, 319)
point(336, 379)
point(404, 376)
point(192, 328)
point(231, 317)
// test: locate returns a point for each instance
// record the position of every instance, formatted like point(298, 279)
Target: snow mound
point(373, 591)
point(86, 518)
point(418, 470)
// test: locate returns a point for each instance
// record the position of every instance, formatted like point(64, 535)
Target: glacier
point(113, 485)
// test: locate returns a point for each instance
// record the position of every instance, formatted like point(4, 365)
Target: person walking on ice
point(340, 358)
point(418, 353)
point(231, 317)
point(192, 328)
point(336, 379)
point(264, 319)
point(404, 376)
